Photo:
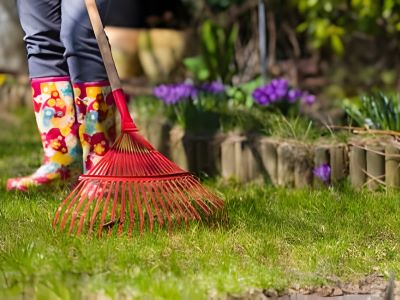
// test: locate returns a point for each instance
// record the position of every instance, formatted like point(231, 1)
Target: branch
point(361, 130)
point(292, 39)
point(271, 38)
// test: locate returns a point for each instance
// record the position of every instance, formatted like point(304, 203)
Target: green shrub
point(376, 111)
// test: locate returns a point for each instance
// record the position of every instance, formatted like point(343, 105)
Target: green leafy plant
point(377, 111)
point(195, 115)
point(330, 22)
point(217, 58)
point(291, 127)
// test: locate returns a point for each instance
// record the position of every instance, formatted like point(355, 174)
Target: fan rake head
point(134, 184)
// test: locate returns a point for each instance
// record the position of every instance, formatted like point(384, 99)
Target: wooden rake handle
point(127, 123)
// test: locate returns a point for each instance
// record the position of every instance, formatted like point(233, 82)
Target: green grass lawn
point(274, 238)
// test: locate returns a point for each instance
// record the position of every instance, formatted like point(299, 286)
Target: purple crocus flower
point(323, 172)
point(214, 87)
point(278, 90)
point(294, 95)
point(261, 97)
point(173, 93)
point(275, 91)
point(161, 91)
point(308, 98)
point(280, 87)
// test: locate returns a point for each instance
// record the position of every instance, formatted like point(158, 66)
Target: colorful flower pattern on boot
point(95, 108)
point(53, 103)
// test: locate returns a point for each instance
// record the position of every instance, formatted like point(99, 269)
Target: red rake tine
point(180, 211)
point(170, 204)
point(188, 198)
point(122, 213)
point(131, 211)
point(68, 210)
point(86, 209)
point(197, 197)
point(148, 208)
point(139, 207)
point(64, 203)
point(111, 223)
point(217, 202)
point(159, 197)
point(96, 208)
point(156, 208)
point(87, 197)
point(193, 214)
point(104, 213)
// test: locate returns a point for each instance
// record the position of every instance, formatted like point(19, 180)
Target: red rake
point(133, 181)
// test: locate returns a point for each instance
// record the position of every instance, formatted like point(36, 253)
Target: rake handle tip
point(127, 123)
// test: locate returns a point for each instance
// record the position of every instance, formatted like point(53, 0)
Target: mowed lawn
point(272, 238)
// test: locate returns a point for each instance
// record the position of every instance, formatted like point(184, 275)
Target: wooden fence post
point(267, 148)
point(303, 169)
point(338, 162)
point(179, 148)
point(375, 166)
point(286, 164)
point(392, 164)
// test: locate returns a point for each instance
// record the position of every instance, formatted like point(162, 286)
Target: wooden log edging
point(375, 163)
point(240, 159)
point(289, 163)
point(371, 163)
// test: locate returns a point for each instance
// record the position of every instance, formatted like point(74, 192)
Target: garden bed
point(371, 162)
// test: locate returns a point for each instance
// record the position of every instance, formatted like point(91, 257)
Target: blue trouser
point(59, 39)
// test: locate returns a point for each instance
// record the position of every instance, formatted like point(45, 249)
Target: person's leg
point(81, 50)
point(41, 23)
point(93, 98)
point(53, 99)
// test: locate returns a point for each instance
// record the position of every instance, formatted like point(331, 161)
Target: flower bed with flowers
point(218, 129)
point(258, 132)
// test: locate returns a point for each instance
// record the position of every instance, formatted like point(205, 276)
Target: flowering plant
point(278, 95)
point(323, 172)
point(193, 106)
point(213, 106)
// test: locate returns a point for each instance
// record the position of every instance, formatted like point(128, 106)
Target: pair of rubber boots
point(77, 127)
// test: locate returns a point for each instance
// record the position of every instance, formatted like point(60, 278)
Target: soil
point(372, 287)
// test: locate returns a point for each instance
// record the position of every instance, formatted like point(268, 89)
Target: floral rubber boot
point(95, 108)
point(53, 103)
